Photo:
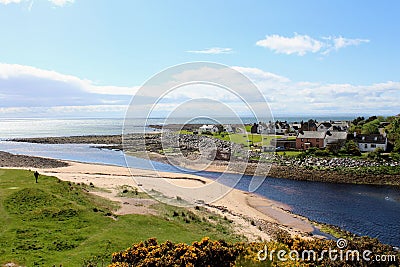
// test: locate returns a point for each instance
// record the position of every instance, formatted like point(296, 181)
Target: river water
point(361, 209)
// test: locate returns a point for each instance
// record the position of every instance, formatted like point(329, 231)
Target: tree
point(254, 128)
point(371, 127)
point(372, 118)
point(357, 120)
point(220, 128)
point(351, 148)
point(333, 148)
point(376, 155)
point(393, 131)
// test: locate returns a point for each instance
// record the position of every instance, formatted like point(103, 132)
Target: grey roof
point(372, 138)
point(311, 134)
point(326, 124)
point(337, 135)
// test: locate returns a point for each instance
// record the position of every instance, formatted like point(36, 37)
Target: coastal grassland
point(246, 138)
point(289, 153)
point(242, 139)
point(57, 222)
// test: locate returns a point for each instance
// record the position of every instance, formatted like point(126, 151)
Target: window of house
point(302, 145)
point(373, 145)
point(317, 145)
point(366, 146)
point(308, 140)
point(302, 139)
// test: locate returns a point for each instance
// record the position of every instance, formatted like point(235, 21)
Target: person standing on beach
point(36, 174)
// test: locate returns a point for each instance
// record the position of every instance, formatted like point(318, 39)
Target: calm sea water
point(362, 209)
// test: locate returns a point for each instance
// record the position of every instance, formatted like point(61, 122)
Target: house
point(337, 138)
point(310, 125)
point(208, 128)
point(307, 139)
point(278, 127)
point(382, 128)
point(283, 143)
point(339, 126)
point(324, 126)
point(368, 143)
point(266, 128)
point(295, 127)
point(229, 128)
point(281, 127)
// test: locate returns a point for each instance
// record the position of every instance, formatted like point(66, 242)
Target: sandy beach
point(254, 216)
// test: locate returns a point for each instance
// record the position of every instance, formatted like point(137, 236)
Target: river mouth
point(370, 210)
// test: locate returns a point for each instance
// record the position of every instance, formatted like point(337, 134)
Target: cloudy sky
point(87, 58)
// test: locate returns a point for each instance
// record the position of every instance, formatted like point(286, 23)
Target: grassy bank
point(56, 222)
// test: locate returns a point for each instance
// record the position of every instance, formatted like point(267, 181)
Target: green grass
point(268, 138)
point(289, 153)
point(244, 139)
point(185, 132)
point(56, 222)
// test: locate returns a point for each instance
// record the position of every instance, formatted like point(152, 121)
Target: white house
point(335, 138)
point(208, 128)
point(324, 126)
point(229, 128)
point(295, 127)
point(266, 128)
point(279, 129)
point(339, 126)
point(368, 143)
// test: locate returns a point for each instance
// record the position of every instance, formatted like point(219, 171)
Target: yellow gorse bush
point(203, 253)
point(221, 254)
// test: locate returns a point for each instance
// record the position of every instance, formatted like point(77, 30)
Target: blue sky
point(87, 57)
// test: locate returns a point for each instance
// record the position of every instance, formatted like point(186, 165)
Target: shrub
point(219, 253)
point(321, 153)
point(203, 253)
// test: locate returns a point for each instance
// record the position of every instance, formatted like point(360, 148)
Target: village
point(301, 136)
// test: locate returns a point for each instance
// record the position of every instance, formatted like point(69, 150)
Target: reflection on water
point(361, 209)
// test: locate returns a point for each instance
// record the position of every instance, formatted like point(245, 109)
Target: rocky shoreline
point(307, 169)
point(22, 161)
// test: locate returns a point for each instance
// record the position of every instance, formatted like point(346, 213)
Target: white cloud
point(298, 44)
point(257, 74)
point(303, 44)
point(25, 87)
point(302, 97)
point(15, 71)
point(59, 3)
point(6, 2)
point(341, 42)
point(213, 50)
point(26, 90)
point(286, 96)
